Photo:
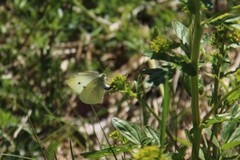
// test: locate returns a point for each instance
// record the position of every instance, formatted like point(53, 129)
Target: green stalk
point(215, 101)
point(195, 49)
point(166, 101)
point(140, 96)
point(172, 139)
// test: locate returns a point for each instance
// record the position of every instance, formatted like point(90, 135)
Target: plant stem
point(195, 49)
point(110, 146)
point(215, 100)
point(140, 95)
point(172, 139)
point(166, 101)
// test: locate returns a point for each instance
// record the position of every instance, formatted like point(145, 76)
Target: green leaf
point(186, 84)
point(107, 151)
point(214, 140)
point(235, 111)
point(180, 154)
point(145, 141)
point(148, 53)
point(156, 76)
point(187, 87)
point(181, 31)
point(235, 135)
point(232, 18)
point(201, 155)
point(227, 130)
point(227, 19)
point(234, 96)
point(153, 135)
point(7, 119)
point(129, 130)
point(231, 133)
point(188, 135)
point(188, 68)
point(181, 61)
point(230, 145)
point(217, 119)
point(51, 150)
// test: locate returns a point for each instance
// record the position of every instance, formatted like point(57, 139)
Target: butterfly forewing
point(79, 81)
point(93, 93)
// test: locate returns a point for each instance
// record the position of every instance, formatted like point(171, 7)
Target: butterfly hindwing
point(93, 93)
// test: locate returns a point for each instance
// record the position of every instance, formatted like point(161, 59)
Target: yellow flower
point(236, 36)
point(227, 35)
point(151, 153)
point(119, 83)
point(116, 135)
point(237, 74)
point(160, 43)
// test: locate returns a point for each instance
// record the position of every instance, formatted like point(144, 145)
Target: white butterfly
point(90, 85)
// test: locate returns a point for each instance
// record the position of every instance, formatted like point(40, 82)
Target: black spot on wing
point(79, 82)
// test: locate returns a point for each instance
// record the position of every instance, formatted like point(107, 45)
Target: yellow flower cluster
point(227, 35)
point(160, 43)
point(221, 28)
point(151, 153)
point(235, 36)
point(118, 137)
point(119, 84)
point(237, 74)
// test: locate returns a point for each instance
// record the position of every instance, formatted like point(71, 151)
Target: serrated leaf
point(156, 76)
point(161, 56)
point(181, 61)
point(129, 130)
point(188, 68)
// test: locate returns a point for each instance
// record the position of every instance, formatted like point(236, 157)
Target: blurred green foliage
point(42, 41)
